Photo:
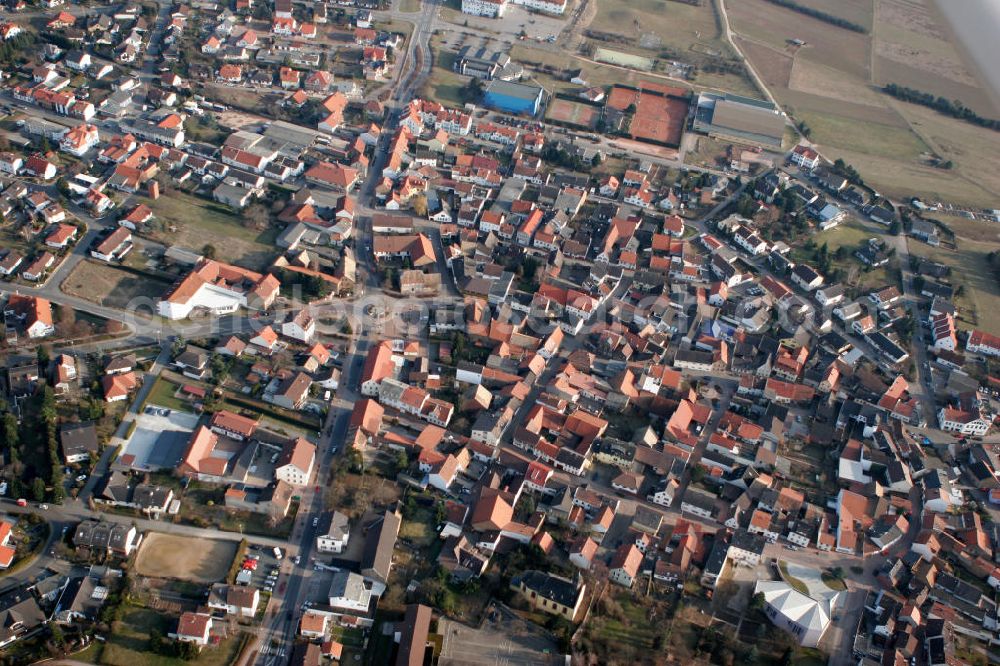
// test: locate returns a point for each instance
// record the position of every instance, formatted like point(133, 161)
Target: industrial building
point(513, 97)
point(740, 119)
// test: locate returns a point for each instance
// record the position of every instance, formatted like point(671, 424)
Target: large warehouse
point(739, 119)
point(513, 97)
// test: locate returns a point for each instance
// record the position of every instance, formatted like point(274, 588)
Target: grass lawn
point(409, 6)
point(796, 584)
point(444, 85)
point(849, 234)
point(833, 582)
point(635, 630)
point(200, 222)
point(420, 529)
point(808, 657)
point(128, 642)
point(162, 394)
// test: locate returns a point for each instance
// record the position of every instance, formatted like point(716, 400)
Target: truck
point(277, 553)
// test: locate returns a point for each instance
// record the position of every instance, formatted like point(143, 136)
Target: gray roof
point(377, 558)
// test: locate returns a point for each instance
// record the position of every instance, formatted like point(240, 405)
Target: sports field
point(573, 113)
point(185, 558)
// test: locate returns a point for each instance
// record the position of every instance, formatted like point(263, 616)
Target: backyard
point(129, 643)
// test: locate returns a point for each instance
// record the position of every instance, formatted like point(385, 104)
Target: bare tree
point(256, 217)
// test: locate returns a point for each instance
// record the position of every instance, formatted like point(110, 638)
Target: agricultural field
point(112, 287)
point(833, 84)
point(198, 560)
point(199, 222)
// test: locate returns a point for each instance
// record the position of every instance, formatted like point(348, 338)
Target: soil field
point(573, 113)
point(774, 66)
point(775, 26)
point(826, 82)
point(197, 560)
point(112, 287)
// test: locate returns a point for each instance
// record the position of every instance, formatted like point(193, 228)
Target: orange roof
point(379, 363)
point(627, 557)
point(117, 386)
point(200, 447)
point(492, 511)
point(236, 423)
point(300, 452)
point(193, 624)
point(313, 622)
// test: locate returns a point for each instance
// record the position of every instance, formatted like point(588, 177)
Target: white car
point(315, 521)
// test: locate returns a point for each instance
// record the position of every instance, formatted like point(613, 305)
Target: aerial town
point(497, 332)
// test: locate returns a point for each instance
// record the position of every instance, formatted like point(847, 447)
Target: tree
point(256, 217)
point(38, 489)
point(419, 204)
point(209, 251)
point(596, 160)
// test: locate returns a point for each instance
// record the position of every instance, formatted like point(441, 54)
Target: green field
point(679, 26)
point(162, 394)
point(897, 143)
point(979, 304)
point(444, 85)
point(200, 222)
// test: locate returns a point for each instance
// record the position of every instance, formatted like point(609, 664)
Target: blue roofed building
point(513, 97)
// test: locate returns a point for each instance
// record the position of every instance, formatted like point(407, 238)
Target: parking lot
point(516, 19)
point(265, 566)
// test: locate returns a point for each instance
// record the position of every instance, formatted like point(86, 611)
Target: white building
point(804, 617)
point(333, 534)
point(490, 8)
point(547, 6)
point(963, 422)
point(297, 462)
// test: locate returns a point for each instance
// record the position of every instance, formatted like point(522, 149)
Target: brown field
point(573, 113)
point(197, 560)
point(818, 79)
point(774, 66)
point(774, 26)
point(111, 287)
point(975, 231)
